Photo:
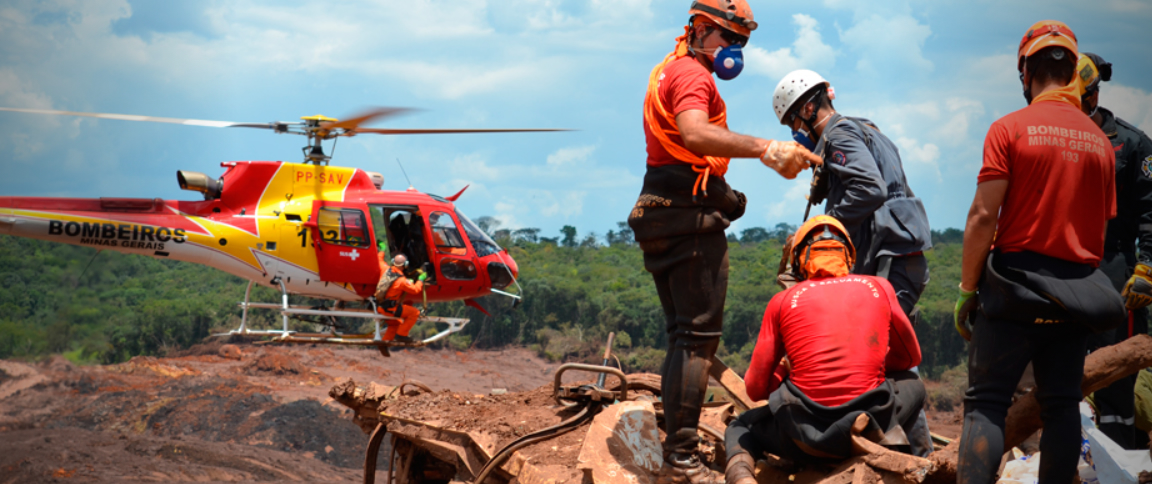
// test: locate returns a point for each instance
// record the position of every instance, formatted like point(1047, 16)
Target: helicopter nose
point(511, 264)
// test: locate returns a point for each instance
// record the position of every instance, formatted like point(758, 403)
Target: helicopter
point(308, 229)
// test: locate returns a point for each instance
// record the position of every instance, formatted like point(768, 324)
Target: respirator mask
point(727, 62)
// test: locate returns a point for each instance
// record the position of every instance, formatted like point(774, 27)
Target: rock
point(623, 445)
point(231, 352)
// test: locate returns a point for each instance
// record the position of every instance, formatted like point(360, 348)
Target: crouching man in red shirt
point(849, 347)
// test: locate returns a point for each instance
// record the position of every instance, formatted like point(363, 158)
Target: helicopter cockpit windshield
point(483, 244)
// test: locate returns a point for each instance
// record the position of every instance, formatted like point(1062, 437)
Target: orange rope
point(654, 110)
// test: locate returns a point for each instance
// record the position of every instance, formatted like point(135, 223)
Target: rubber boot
point(687, 469)
point(740, 469)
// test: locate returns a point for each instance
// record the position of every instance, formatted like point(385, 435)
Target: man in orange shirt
point(390, 295)
point(685, 205)
point(1043, 196)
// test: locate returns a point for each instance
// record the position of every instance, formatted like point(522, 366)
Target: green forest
point(108, 307)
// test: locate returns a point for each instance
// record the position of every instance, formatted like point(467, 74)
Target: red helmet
point(731, 15)
point(1044, 34)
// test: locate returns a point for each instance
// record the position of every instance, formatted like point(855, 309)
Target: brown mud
point(218, 412)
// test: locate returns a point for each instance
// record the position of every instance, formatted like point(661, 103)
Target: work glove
point(1138, 291)
point(963, 313)
point(423, 276)
point(788, 158)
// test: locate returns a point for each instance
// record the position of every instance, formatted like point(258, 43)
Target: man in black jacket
point(1129, 270)
point(865, 185)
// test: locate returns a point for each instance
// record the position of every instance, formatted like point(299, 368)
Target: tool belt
point(1028, 287)
point(391, 306)
point(666, 207)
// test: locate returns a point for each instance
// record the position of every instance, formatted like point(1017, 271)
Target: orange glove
point(1138, 291)
point(788, 158)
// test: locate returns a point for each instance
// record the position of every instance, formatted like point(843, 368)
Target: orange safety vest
point(654, 111)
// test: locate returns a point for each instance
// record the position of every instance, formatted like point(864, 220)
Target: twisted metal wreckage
point(611, 433)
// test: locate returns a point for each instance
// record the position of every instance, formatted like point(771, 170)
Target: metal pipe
point(284, 298)
point(244, 315)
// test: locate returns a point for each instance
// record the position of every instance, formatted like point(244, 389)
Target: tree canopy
point(57, 298)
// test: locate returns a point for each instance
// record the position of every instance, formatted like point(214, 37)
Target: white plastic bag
point(1112, 464)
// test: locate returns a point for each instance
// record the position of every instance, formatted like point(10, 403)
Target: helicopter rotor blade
point(452, 131)
point(351, 123)
point(276, 126)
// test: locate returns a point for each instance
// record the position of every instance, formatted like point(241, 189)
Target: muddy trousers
point(909, 276)
point(1116, 403)
point(692, 280)
point(997, 356)
point(408, 316)
point(758, 431)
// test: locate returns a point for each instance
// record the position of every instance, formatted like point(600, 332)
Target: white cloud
point(1130, 104)
point(569, 203)
point(889, 46)
point(1128, 6)
point(17, 92)
point(793, 198)
point(926, 154)
point(565, 156)
point(808, 51)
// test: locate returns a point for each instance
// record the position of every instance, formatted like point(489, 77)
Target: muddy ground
point(238, 412)
point(222, 413)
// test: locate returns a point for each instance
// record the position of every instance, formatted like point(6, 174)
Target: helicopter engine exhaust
point(377, 179)
point(199, 182)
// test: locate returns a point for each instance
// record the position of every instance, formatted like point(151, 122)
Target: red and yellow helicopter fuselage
point(321, 231)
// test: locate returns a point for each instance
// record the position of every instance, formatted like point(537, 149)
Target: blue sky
point(932, 74)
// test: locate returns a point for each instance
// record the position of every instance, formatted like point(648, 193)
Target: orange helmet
point(732, 15)
point(822, 248)
point(1044, 34)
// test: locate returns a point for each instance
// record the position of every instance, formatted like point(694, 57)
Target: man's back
point(1061, 184)
point(840, 334)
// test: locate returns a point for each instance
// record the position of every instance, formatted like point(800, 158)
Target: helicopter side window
point(445, 234)
point(379, 227)
point(343, 226)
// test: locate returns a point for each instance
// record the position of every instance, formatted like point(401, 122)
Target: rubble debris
point(463, 431)
point(364, 402)
point(274, 363)
point(231, 352)
point(622, 446)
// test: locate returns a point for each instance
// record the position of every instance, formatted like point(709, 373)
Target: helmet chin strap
point(1095, 107)
point(812, 126)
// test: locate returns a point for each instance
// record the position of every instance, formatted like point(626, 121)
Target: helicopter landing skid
point(284, 335)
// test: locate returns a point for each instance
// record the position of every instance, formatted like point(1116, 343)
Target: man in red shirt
point(1044, 195)
point(849, 347)
point(685, 205)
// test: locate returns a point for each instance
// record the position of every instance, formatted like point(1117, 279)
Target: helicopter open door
point(345, 249)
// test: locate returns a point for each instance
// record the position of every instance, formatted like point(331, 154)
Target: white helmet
point(791, 87)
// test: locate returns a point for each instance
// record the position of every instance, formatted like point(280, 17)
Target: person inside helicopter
point(406, 235)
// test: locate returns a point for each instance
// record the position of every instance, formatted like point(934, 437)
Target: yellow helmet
point(1089, 75)
point(1092, 70)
